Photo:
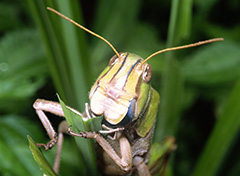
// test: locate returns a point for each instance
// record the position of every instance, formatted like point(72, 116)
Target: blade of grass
point(85, 145)
point(173, 82)
point(123, 13)
point(74, 57)
point(180, 19)
point(40, 159)
point(221, 138)
point(170, 102)
point(15, 156)
point(62, 42)
point(54, 52)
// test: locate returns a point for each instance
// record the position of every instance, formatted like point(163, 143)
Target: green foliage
point(16, 158)
point(9, 16)
point(45, 167)
point(220, 140)
point(199, 87)
point(78, 124)
point(85, 145)
point(22, 69)
point(209, 66)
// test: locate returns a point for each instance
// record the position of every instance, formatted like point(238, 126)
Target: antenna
point(182, 47)
point(85, 29)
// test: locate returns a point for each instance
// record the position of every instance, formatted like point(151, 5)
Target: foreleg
point(125, 162)
point(42, 106)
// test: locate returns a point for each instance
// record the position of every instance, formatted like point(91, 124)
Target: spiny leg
point(51, 132)
point(125, 162)
point(54, 108)
point(62, 128)
point(40, 106)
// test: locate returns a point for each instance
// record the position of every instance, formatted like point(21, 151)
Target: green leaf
point(222, 137)
point(159, 154)
point(213, 64)
point(22, 68)
point(21, 79)
point(170, 101)
point(123, 13)
point(180, 21)
point(52, 44)
point(66, 48)
point(40, 159)
point(15, 156)
point(173, 82)
point(78, 124)
point(75, 49)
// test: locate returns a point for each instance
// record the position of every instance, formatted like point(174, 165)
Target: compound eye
point(113, 60)
point(147, 74)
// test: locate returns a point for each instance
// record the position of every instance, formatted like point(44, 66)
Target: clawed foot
point(50, 144)
point(93, 135)
point(88, 135)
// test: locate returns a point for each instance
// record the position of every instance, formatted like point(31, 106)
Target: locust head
point(117, 91)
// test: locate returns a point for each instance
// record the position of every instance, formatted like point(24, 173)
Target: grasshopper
point(122, 94)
